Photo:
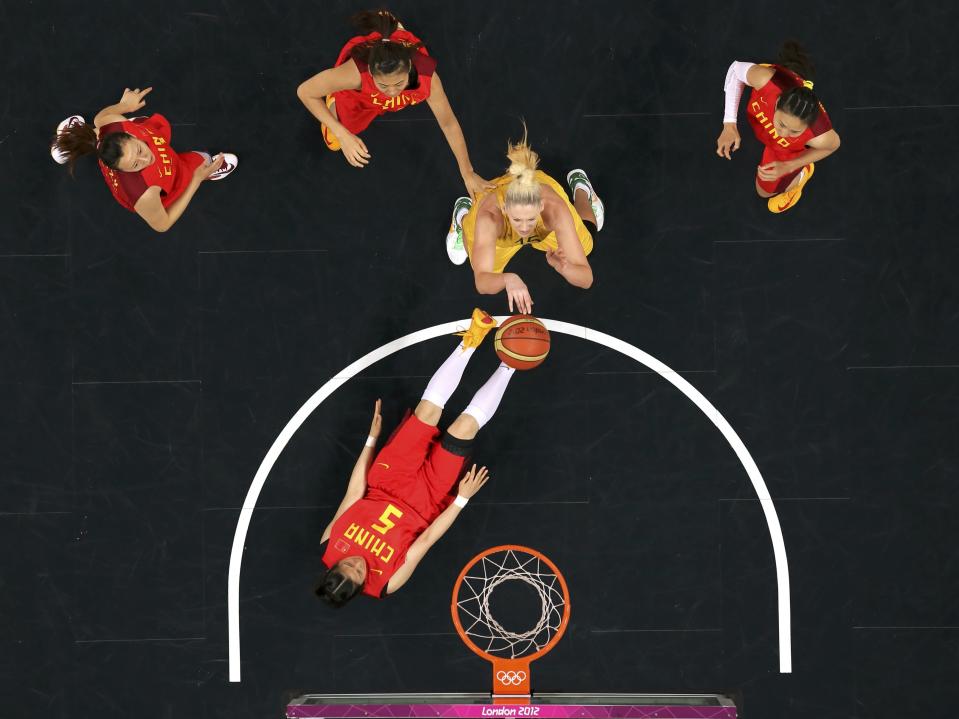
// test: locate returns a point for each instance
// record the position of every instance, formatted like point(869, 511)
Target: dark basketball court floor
point(145, 376)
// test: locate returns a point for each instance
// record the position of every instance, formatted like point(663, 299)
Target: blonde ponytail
point(523, 189)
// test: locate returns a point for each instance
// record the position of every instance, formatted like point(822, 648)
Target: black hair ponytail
point(793, 56)
point(799, 101)
point(384, 56)
point(382, 21)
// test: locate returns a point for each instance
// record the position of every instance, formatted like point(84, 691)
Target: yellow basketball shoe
point(784, 200)
point(328, 137)
point(480, 324)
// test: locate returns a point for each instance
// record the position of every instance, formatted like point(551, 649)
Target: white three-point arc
point(671, 376)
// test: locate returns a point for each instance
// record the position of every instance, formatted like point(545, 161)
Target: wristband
point(460, 501)
point(371, 441)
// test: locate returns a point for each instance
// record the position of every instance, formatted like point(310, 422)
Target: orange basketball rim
point(510, 652)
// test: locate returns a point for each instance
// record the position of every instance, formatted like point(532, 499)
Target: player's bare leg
point(428, 413)
point(464, 427)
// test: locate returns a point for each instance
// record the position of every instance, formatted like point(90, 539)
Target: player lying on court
point(525, 207)
point(385, 70)
point(786, 117)
point(143, 172)
point(397, 507)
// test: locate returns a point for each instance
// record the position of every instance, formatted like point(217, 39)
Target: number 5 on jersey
point(385, 523)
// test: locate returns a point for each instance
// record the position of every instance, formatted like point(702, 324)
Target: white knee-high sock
point(487, 398)
point(443, 383)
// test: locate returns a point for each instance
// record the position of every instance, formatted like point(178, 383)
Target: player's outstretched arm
point(739, 75)
point(357, 486)
point(471, 483)
point(440, 105)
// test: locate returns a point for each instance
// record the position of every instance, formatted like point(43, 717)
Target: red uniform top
point(380, 529)
point(171, 171)
point(356, 109)
point(762, 105)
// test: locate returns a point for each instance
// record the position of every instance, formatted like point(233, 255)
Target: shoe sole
point(458, 259)
point(600, 221)
point(229, 166)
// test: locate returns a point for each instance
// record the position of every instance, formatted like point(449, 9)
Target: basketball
point(522, 342)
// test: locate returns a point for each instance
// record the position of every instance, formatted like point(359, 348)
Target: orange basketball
point(522, 342)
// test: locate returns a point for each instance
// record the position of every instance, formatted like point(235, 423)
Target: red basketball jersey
point(379, 530)
point(170, 171)
point(359, 104)
point(762, 105)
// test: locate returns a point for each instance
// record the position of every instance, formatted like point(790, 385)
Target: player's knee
point(428, 413)
point(464, 427)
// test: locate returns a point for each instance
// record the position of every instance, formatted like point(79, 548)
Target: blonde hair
point(523, 189)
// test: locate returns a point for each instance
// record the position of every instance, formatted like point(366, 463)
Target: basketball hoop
point(511, 651)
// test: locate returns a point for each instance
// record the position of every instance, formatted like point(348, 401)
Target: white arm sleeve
point(735, 82)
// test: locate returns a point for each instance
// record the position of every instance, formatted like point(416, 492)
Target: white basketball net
point(481, 581)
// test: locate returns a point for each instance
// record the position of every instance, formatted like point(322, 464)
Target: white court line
point(671, 376)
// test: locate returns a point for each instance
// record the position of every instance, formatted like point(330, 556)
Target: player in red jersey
point(142, 171)
point(385, 70)
point(786, 116)
point(397, 507)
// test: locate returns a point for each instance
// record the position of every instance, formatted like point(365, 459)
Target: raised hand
point(377, 423)
point(132, 100)
point(473, 481)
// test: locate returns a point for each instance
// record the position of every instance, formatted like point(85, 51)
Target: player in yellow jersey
point(525, 207)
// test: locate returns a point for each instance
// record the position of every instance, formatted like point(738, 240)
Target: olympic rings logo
point(511, 678)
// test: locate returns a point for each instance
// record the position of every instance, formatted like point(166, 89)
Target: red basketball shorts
point(413, 468)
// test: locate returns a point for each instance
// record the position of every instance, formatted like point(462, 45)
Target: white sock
point(487, 398)
point(584, 187)
point(444, 381)
point(461, 214)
